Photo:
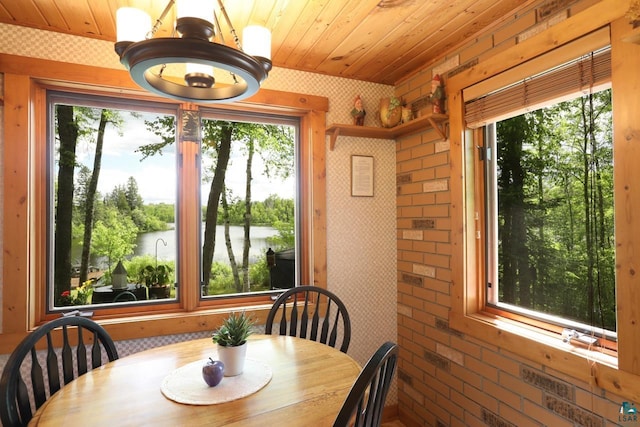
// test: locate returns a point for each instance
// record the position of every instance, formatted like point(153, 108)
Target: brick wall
point(445, 377)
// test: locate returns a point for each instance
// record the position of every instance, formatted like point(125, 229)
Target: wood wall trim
point(626, 152)
point(15, 276)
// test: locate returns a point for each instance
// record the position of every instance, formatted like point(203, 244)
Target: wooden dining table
point(308, 384)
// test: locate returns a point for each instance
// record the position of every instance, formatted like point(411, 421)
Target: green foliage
point(221, 281)
point(152, 274)
point(234, 331)
point(555, 211)
point(259, 274)
point(162, 212)
point(286, 237)
point(272, 210)
point(121, 214)
point(138, 263)
point(114, 237)
point(165, 128)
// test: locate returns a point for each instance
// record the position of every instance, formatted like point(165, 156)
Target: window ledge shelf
point(422, 123)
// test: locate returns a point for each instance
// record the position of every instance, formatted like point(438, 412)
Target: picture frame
point(361, 176)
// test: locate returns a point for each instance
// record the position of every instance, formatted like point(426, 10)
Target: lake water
point(148, 243)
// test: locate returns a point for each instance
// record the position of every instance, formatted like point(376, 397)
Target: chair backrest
point(307, 317)
point(18, 400)
point(365, 401)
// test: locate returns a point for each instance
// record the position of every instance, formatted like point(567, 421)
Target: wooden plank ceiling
point(381, 41)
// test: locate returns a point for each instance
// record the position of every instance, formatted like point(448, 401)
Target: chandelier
point(185, 67)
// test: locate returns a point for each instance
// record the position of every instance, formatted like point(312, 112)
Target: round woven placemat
point(186, 385)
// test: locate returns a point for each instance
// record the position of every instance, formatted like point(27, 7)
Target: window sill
point(170, 323)
point(547, 349)
point(544, 338)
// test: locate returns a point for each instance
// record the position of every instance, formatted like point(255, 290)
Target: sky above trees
point(156, 176)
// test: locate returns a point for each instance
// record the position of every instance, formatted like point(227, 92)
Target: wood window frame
point(619, 375)
point(26, 81)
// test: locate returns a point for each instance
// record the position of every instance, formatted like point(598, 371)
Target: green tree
point(106, 117)
point(134, 199)
point(114, 237)
point(516, 279)
point(218, 137)
point(68, 132)
point(555, 179)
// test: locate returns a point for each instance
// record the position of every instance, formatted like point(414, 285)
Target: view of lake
point(148, 242)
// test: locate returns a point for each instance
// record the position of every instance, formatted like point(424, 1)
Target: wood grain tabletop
point(308, 386)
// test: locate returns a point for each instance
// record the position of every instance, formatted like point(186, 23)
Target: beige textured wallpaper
point(360, 230)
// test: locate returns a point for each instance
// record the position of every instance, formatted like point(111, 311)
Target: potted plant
point(231, 339)
point(157, 279)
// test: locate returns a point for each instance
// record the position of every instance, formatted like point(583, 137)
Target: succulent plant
point(234, 330)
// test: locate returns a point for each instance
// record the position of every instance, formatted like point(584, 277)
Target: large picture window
point(115, 209)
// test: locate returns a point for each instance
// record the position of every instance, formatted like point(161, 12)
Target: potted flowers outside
point(231, 339)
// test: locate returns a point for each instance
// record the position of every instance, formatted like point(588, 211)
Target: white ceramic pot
point(233, 359)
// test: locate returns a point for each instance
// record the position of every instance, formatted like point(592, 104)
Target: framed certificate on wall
point(361, 176)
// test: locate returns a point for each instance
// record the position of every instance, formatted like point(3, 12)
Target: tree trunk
point(90, 199)
point(247, 220)
point(517, 272)
point(586, 190)
point(227, 239)
point(68, 134)
point(217, 186)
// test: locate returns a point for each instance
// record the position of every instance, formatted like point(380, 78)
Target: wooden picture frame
point(361, 176)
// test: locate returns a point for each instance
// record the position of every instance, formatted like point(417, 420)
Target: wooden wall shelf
point(435, 121)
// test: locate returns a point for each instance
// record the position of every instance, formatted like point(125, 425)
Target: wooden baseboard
point(390, 413)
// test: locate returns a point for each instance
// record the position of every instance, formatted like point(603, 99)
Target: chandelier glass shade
point(193, 58)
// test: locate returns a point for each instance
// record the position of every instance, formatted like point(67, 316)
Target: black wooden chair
point(313, 313)
point(365, 401)
point(20, 398)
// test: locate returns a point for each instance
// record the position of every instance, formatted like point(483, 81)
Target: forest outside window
point(114, 202)
point(248, 190)
point(548, 256)
point(109, 203)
